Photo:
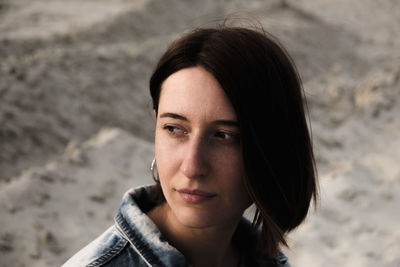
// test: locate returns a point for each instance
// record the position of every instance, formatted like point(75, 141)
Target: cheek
point(232, 180)
point(163, 169)
point(166, 158)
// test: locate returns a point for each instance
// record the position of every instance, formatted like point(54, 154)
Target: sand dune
point(76, 128)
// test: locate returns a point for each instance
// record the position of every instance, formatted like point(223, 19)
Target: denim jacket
point(134, 240)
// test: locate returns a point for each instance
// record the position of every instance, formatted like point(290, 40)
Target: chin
point(195, 218)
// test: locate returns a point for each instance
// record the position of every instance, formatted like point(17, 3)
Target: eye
point(227, 136)
point(174, 130)
point(222, 135)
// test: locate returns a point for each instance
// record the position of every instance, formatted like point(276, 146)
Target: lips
point(195, 196)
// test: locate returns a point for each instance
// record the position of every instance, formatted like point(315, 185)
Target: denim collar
point(142, 233)
point(154, 249)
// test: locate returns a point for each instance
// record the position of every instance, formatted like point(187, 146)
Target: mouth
point(195, 196)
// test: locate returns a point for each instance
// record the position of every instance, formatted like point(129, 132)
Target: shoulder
point(246, 239)
point(262, 260)
point(283, 260)
point(100, 251)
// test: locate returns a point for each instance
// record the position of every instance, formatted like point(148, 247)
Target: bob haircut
point(262, 83)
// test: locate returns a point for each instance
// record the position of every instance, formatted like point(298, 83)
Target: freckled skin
point(195, 150)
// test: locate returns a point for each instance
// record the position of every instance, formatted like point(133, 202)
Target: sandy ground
point(76, 127)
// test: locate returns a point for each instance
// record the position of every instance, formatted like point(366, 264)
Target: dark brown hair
point(262, 83)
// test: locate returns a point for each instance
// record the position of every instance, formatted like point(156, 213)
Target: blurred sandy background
point(76, 125)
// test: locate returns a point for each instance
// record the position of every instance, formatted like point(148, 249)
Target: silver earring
point(153, 166)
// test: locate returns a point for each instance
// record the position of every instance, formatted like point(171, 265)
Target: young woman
point(230, 131)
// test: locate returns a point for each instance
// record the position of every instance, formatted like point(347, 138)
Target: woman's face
point(198, 151)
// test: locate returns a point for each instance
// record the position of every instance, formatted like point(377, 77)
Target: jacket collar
point(142, 233)
point(148, 242)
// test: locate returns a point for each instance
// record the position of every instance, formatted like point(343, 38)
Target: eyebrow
point(174, 116)
point(183, 118)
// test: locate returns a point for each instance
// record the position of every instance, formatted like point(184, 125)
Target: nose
point(195, 159)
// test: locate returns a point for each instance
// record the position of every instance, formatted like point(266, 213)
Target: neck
point(209, 246)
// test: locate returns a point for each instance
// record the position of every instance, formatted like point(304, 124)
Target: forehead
point(194, 92)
